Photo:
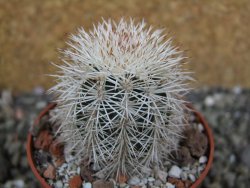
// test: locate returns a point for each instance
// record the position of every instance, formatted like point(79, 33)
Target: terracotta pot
point(210, 149)
point(29, 148)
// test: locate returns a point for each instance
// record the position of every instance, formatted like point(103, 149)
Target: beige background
point(214, 33)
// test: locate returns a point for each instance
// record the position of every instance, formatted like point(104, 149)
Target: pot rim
point(208, 131)
point(209, 134)
point(29, 147)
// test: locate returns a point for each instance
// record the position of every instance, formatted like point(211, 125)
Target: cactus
point(119, 97)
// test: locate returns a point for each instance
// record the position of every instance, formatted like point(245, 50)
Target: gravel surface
point(227, 111)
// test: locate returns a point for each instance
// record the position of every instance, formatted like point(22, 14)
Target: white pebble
point(151, 179)
point(66, 176)
point(157, 183)
point(87, 185)
point(78, 170)
point(209, 101)
point(237, 90)
point(64, 165)
point(186, 168)
point(144, 180)
point(202, 159)
point(41, 104)
point(193, 170)
point(123, 185)
point(170, 185)
point(18, 183)
point(134, 180)
point(72, 172)
point(184, 175)
point(59, 184)
point(200, 127)
point(191, 177)
point(60, 170)
point(65, 181)
point(232, 158)
point(50, 181)
point(175, 172)
point(141, 184)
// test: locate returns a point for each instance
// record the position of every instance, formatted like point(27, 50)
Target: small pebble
point(169, 185)
point(184, 175)
point(144, 180)
point(87, 185)
point(134, 180)
point(175, 172)
point(78, 170)
point(41, 104)
point(123, 185)
point(203, 159)
point(122, 178)
point(59, 161)
point(50, 172)
point(18, 183)
point(151, 179)
point(186, 168)
point(191, 177)
point(232, 158)
point(43, 140)
point(56, 149)
point(209, 101)
point(157, 183)
point(59, 184)
point(200, 127)
point(237, 90)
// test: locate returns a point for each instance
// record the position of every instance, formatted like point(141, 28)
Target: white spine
point(119, 96)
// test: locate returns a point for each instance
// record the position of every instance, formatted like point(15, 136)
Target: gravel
point(227, 112)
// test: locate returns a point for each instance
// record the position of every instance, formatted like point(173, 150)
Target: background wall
point(215, 35)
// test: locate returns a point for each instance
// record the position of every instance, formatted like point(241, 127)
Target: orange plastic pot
point(44, 184)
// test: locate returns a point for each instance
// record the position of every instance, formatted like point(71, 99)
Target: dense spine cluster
point(119, 96)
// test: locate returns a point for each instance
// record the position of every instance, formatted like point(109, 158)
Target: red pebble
point(50, 172)
point(75, 182)
point(56, 149)
point(177, 182)
point(59, 161)
point(122, 178)
point(43, 140)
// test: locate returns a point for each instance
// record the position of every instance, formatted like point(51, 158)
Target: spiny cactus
point(119, 96)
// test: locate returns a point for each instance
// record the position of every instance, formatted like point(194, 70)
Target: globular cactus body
point(119, 97)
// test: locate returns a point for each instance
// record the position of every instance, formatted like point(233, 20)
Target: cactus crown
point(119, 96)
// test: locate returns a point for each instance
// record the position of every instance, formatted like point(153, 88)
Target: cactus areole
point(119, 97)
